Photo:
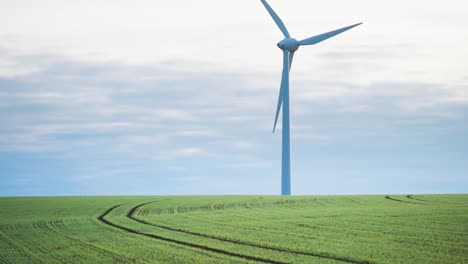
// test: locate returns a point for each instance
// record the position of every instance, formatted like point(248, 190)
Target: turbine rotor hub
point(289, 44)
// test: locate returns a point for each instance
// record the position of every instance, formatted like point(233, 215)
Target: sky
point(178, 97)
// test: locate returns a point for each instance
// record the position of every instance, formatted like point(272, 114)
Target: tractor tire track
point(426, 201)
point(132, 211)
point(422, 200)
point(400, 201)
point(20, 250)
point(41, 227)
point(183, 243)
point(117, 258)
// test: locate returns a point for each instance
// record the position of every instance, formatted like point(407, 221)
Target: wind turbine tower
point(290, 46)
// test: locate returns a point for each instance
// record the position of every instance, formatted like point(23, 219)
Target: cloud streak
point(181, 121)
point(72, 98)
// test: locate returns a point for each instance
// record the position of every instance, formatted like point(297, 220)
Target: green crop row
point(235, 229)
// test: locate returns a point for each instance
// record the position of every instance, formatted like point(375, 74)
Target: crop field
point(235, 229)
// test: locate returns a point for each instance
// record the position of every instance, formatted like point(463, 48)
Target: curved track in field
point(116, 258)
point(411, 196)
point(52, 229)
point(183, 243)
point(19, 250)
point(132, 211)
point(388, 197)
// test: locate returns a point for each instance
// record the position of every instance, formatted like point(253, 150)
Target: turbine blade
point(277, 19)
point(319, 38)
point(291, 58)
point(283, 83)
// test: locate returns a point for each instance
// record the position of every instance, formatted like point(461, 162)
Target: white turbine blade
point(283, 79)
point(277, 19)
point(319, 38)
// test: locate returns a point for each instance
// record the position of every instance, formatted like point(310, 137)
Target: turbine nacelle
point(289, 44)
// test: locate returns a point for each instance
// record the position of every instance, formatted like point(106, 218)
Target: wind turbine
point(289, 46)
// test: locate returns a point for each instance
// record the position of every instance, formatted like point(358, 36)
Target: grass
point(235, 229)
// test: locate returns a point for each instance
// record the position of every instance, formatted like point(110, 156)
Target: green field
point(235, 229)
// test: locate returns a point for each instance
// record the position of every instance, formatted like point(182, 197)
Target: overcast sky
point(179, 97)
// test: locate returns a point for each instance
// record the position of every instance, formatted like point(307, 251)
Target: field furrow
point(12, 253)
point(183, 243)
point(282, 250)
point(235, 229)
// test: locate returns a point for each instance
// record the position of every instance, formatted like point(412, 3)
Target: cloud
point(186, 152)
point(202, 132)
point(64, 102)
point(246, 165)
point(98, 174)
point(148, 122)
